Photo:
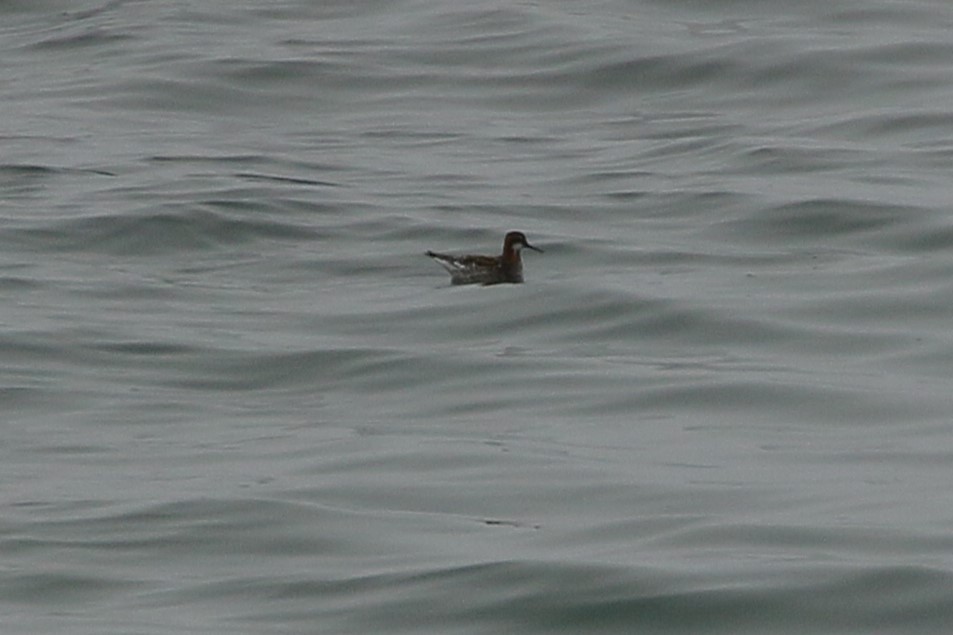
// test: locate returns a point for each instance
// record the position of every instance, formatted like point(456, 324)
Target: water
point(237, 398)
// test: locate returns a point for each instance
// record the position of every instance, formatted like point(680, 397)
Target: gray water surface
point(235, 396)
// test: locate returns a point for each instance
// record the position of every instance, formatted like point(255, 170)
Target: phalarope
point(507, 267)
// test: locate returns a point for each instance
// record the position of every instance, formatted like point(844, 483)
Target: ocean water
point(235, 396)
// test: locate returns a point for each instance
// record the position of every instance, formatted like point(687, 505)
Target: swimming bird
point(507, 267)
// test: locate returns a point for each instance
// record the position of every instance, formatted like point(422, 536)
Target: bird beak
point(529, 246)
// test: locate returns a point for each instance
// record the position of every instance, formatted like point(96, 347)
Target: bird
point(486, 270)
